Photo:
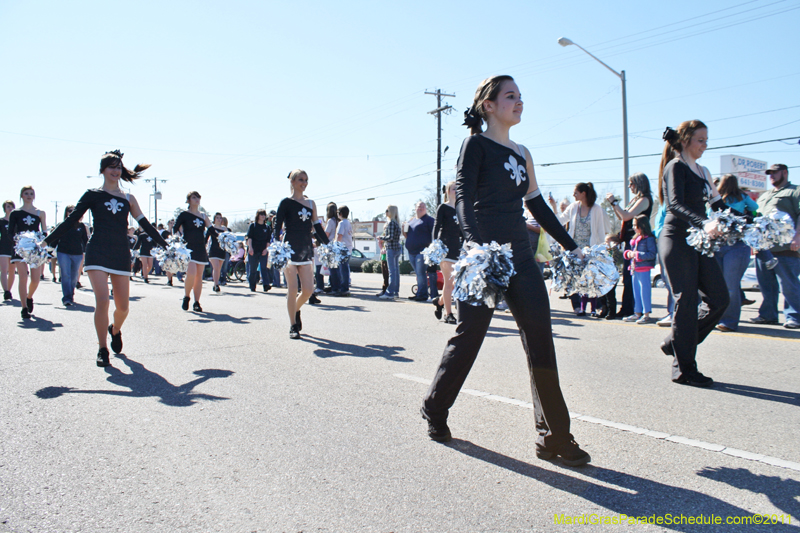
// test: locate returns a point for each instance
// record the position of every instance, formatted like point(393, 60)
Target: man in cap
point(786, 275)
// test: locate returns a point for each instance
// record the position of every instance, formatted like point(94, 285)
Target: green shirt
point(786, 199)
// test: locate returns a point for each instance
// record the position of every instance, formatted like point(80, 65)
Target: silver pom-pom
point(435, 252)
point(134, 255)
point(482, 273)
point(31, 249)
point(594, 275)
point(334, 254)
point(279, 254)
point(775, 229)
point(176, 257)
point(228, 242)
point(731, 227)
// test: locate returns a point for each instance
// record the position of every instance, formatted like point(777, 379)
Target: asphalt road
point(219, 422)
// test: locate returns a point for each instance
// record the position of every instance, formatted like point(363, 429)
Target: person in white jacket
point(588, 225)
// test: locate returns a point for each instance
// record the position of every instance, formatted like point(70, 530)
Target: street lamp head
point(564, 41)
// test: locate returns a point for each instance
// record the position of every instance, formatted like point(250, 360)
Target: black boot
point(102, 357)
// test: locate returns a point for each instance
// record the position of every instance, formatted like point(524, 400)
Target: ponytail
point(489, 89)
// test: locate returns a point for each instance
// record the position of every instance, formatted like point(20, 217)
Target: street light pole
point(621, 75)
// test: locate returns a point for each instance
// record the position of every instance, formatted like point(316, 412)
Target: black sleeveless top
point(20, 221)
point(447, 230)
point(626, 232)
point(194, 231)
point(299, 225)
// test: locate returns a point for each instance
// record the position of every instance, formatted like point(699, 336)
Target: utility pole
point(438, 112)
point(56, 202)
point(156, 197)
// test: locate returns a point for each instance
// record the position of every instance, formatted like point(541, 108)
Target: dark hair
point(111, 159)
point(9, 202)
point(69, 209)
point(588, 188)
point(215, 216)
point(258, 213)
point(672, 147)
point(344, 211)
point(332, 212)
point(192, 193)
point(489, 89)
point(729, 188)
point(643, 223)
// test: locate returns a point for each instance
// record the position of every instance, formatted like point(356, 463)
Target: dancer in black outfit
point(166, 234)
point(493, 175)
point(299, 215)
point(259, 235)
point(26, 218)
point(107, 252)
point(6, 252)
point(145, 245)
point(447, 230)
point(216, 255)
point(685, 187)
point(192, 223)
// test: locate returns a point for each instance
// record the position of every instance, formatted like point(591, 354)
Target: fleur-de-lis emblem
point(28, 220)
point(114, 206)
point(455, 219)
point(149, 239)
point(198, 222)
point(517, 170)
point(304, 214)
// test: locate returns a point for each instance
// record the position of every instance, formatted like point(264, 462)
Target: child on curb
point(643, 258)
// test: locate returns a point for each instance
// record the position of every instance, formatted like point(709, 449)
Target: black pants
point(688, 272)
point(527, 300)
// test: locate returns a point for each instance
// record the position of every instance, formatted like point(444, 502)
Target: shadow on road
point(635, 497)
point(39, 324)
point(146, 384)
point(206, 317)
point(330, 348)
point(791, 398)
point(783, 493)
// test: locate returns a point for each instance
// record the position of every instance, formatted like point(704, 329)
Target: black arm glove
point(72, 220)
point(320, 233)
point(547, 220)
point(150, 230)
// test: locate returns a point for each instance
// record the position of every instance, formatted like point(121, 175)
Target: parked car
point(357, 257)
point(749, 280)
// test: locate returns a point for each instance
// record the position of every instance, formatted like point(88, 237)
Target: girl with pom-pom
point(447, 230)
point(685, 187)
point(6, 252)
point(493, 175)
point(299, 215)
point(26, 218)
point(216, 255)
point(107, 252)
point(192, 224)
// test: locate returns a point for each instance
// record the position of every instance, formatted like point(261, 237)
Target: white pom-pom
point(482, 273)
point(31, 249)
point(280, 253)
point(435, 252)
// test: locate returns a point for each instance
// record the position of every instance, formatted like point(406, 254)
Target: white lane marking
point(742, 454)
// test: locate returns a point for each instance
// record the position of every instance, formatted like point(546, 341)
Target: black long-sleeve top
point(685, 195)
point(74, 241)
point(491, 180)
point(260, 236)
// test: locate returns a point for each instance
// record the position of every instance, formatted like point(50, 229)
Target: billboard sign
point(749, 171)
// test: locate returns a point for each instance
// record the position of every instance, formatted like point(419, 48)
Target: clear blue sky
point(227, 98)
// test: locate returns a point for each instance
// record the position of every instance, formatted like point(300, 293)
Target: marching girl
point(145, 245)
point(299, 215)
point(26, 218)
point(685, 187)
point(107, 252)
point(6, 252)
point(216, 255)
point(447, 230)
point(493, 175)
point(192, 224)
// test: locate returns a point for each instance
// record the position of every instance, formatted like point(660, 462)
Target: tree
point(240, 226)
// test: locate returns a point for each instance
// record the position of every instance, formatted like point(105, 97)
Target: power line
point(656, 154)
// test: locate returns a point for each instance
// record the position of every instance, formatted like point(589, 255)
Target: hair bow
point(670, 135)
point(471, 118)
point(117, 153)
